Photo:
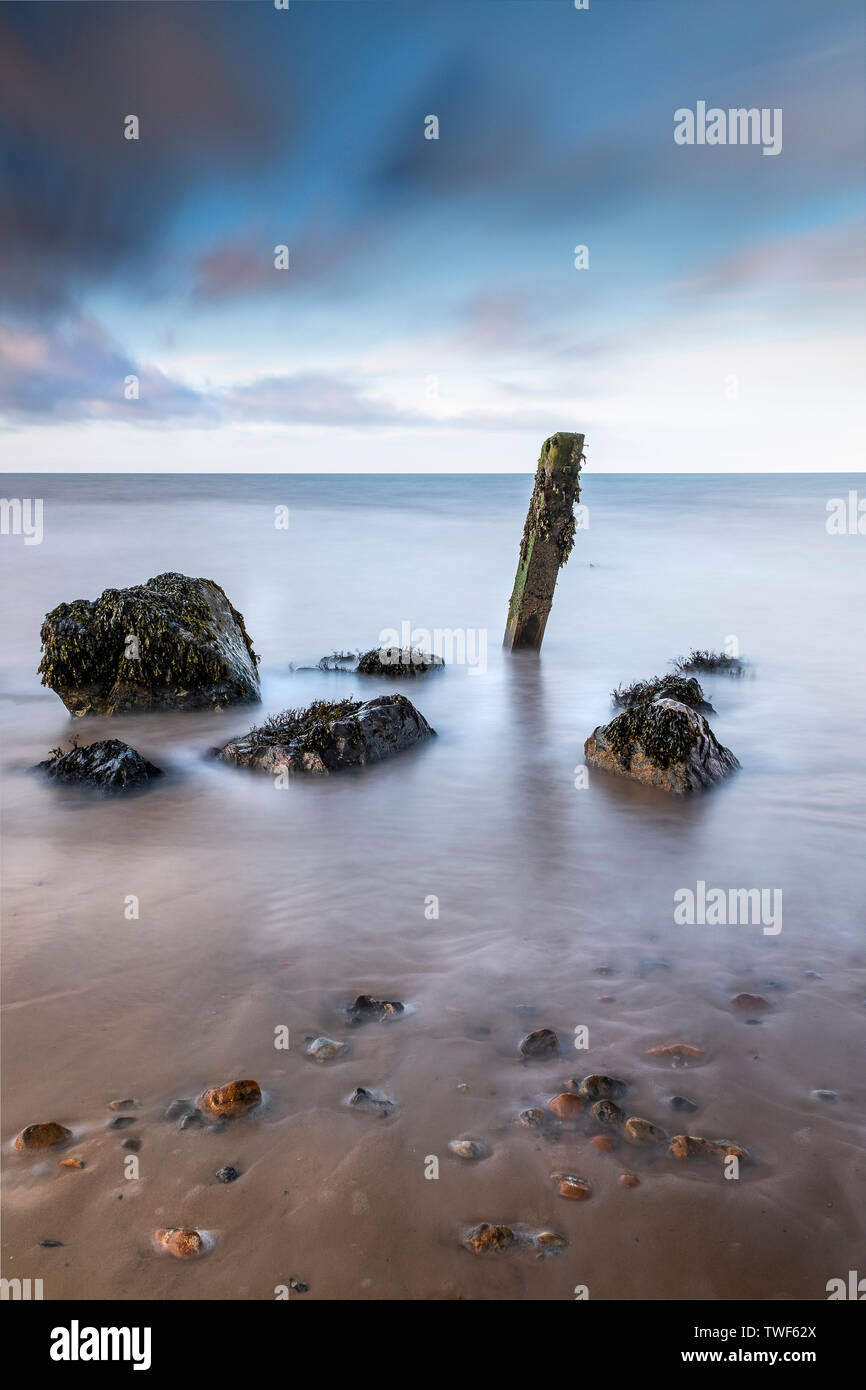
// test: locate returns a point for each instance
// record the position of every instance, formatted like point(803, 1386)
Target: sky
point(431, 317)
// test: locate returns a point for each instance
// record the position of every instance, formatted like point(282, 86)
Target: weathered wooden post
point(547, 539)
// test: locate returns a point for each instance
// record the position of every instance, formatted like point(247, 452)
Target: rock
point(325, 1049)
point(192, 1121)
point(110, 766)
point(121, 1122)
point(685, 1146)
point(486, 1237)
point(549, 1243)
point(599, 1087)
point(172, 643)
point(176, 1109)
point(605, 1142)
point(825, 1095)
point(132, 1144)
point(227, 1174)
point(181, 1242)
point(812, 975)
point(569, 1185)
point(664, 744)
point(124, 1104)
point(643, 1132)
point(366, 1009)
point(686, 689)
point(298, 1286)
point(676, 1050)
point(397, 661)
point(532, 1118)
point(372, 1100)
point(34, 1138)
point(628, 1180)
point(467, 1148)
point(72, 1163)
point(328, 737)
point(540, 1045)
point(235, 1098)
point(682, 1103)
point(566, 1106)
point(607, 1114)
point(648, 964)
point(51, 1244)
point(750, 1001)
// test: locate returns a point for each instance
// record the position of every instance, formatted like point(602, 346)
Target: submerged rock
point(72, 1163)
point(683, 1104)
point(575, 1188)
point(643, 1133)
point(486, 1237)
point(685, 1146)
point(329, 736)
point(172, 643)
point(664, 744)
point(628, 1180)
point(180, 1241)
point(549, 1243)
point(227, 1174)
point(110, 765)
point(600, 1087)
point(566, 1106)
point(540, 1045)
point(367, 1099)
point(677, 1051)
point(50, 1135)
point(532, 1118)
point(468, 1148)
point(366, 1009)
point(397, 661)
point(235, 1098)
point(607, 1114)
point(325, 1049)
point(753, 1002)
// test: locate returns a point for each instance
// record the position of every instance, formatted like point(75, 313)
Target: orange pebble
point(72, 1163)
point(605, 1142)
point(628, 1180)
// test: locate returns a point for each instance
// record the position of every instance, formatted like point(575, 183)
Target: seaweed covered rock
point(397, 661)
point(172, 643)
point(327, 737)
point(663, 743)
point(110, 766)
point(686, 689)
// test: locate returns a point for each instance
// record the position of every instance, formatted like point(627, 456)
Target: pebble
point(235, 1098)
point(678, 1052)
point(325, 1049)
point(532, 1118)
point(371, 1100)
point(825, 1095)
point(366, 1009)
point(750, 1001)
point(682, 1103)
point(486, 1237)
point(467, 1148)
point(571, 1186)
point(643, 1132)
point(121, 1122)
point(607, 1114)
point(72, 1163)
point(191, 1121)
point(227, 1174)
point(812, 975)
point(298, 1286)
point(600, 1087)
point(542, 1043)
point(628, 1180)
point(549, 1243)
point(180, 1241)
point(176, 1109)
point(605, 1142)
point(132, 1144)
point(690, 1146)
point(566, 1106)
point(50, 1244)
point(42, 1136)
point(128, 1104)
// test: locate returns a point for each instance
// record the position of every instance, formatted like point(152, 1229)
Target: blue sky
point(432, 316)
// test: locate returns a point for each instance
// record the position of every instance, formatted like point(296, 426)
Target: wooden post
point(547, 539)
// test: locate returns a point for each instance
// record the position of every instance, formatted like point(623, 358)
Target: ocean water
point(475, 878)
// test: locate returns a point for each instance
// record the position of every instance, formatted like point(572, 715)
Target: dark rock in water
point(298, 1286)
point(172, 643)
point(50, 1244)
point(685, 689)
point(227, 1174)
point(683, 1104)
point(121, 1122)
point(812, 975)
point(664, 744)
point(607, 1114)
point(540, 1045)
point(111, 766)
point(599, 1087)
point(366, 1009)
point(191, 1121)
point(397, 661)
point(132, 1144)
point(826, 1095)
point(328, 737)
point(487, 1237)
point(366, 1099)
point(176, 1109)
